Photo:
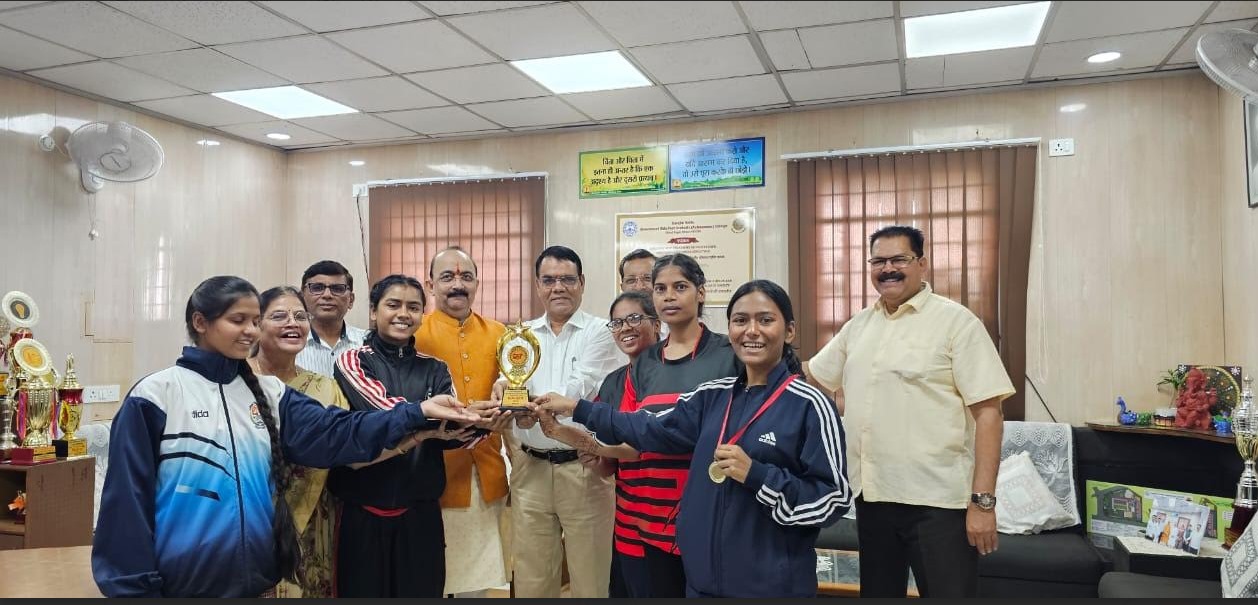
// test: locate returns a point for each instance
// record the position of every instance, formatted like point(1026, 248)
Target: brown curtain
point(975, 207)
point(500, 222)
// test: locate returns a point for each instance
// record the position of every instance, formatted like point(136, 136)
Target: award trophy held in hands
point(519, 354)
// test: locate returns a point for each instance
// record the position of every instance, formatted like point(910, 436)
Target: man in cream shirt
point(553, 495)
point(920, 384)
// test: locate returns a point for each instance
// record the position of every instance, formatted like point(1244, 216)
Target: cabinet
point(59, 502)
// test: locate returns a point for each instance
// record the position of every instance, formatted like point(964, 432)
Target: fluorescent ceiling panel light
point(1105, 57)
point(278, 136)
point(1073, 108)
point(356, 162)
point(208, 143)
point(583, 73)
point(974, 31)
point(285, 102)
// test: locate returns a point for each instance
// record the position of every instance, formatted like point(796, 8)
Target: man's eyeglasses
point(897, 262)
point(448, 278)
point(282, 316)
point(569, 281)
point(633, 320)
point(631, 281)
point(318, 289)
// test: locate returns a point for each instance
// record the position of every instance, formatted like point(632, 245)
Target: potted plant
point(1175, 379)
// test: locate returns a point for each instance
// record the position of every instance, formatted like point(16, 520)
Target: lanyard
point(693, 352)
point(768, 402)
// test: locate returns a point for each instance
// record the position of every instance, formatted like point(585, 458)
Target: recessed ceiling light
point(1105, 57)
point(974, 31)
point(278, 136)
point(583, 73)
point(285, 102)
point(356, 162)
point(1073, 107)
point(208, 143)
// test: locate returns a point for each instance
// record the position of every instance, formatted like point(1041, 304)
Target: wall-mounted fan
point(111, 151)
point(1230, 58)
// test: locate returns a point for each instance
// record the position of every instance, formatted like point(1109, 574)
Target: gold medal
point(715, 473)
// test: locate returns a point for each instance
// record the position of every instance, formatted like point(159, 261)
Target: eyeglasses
point(633, 320)
point(632, 281)
point(897, 262)
point(569, 281)
point(282, 316)
point(447, 278)
point(318, 289)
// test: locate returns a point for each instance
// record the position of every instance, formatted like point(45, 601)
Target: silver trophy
point(1245, 427)
point(8, 440)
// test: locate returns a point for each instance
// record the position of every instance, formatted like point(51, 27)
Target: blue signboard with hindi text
point(716, 165)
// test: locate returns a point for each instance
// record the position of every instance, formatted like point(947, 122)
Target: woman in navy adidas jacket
point(768, 468)
point(199, 459)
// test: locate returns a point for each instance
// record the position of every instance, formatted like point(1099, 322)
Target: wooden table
point(838, 574)
point(1171, 431)
point(63, 572)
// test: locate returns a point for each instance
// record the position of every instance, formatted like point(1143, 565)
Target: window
point(974, 207)
point(499, 221)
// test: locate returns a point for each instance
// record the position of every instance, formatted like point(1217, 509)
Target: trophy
point(519, 354)
point(36, 397)
point(70, 411)
point(1245, 428)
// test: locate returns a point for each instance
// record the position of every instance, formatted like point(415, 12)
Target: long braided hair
point(211, 300)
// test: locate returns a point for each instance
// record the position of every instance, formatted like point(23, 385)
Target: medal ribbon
point(768, 402)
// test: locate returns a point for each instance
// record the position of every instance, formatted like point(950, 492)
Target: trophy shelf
point(59, 503)
point(1163, 430)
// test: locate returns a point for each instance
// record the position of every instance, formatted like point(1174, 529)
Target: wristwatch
point(984, 500)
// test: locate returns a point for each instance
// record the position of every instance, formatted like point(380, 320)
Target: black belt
point(551, 456)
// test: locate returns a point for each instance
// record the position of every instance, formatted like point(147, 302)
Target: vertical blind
point(500, 222)
point(975, 207)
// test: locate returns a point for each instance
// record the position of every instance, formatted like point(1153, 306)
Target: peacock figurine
point(1125, 417)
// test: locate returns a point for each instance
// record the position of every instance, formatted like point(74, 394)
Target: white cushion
point(1051, 445)
point(1238, 571)
point(1024, 504)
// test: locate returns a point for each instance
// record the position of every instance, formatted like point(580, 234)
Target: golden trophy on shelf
point(70, 412)
point(37, 398)
point(519, 354)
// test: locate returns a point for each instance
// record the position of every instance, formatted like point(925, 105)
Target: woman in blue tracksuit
point(199, 459)
point(768, 467)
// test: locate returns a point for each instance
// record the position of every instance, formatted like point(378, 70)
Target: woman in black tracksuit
point(768, 465)
point(390, 538)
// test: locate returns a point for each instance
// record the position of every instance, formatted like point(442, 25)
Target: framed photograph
point(1251, 151)
point(1177, 523)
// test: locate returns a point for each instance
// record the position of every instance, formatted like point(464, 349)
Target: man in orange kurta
point(476, 479)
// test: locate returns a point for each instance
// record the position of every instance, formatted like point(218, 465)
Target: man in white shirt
point(328, 290)
point(558, 505)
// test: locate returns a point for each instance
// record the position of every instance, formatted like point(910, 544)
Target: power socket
point(102, 393)
point(1058, 147)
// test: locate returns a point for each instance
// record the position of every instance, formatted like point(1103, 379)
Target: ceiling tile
point(304, 59)
point(413, 46)
point(785, 49)
point(205, 110)
point(19, 51)
point(495, 82)
point(623, 103)
point(354, 127)
point(203, 69)
point(734, 93)
point(1233, 10)
point(334, 15)
point(93, 28)
point(1082, 20)
point(843, 82)
point(917, 8)
point(113, 81)
point(1187, 53)
point(439, 120)
point(665, 21)
point(211, 22)
point(850, 43)
point(377, 94)
point(532, 33)
point(542, 111)
point(8, 4)
point(258, 131)
point(968, 68)
point(781, 15)
point(700, 59)
point(1139, 50)
point(473, 6)
point(473, 134)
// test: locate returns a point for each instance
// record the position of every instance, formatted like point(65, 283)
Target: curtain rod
point(438, 180)
point(844, 153)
